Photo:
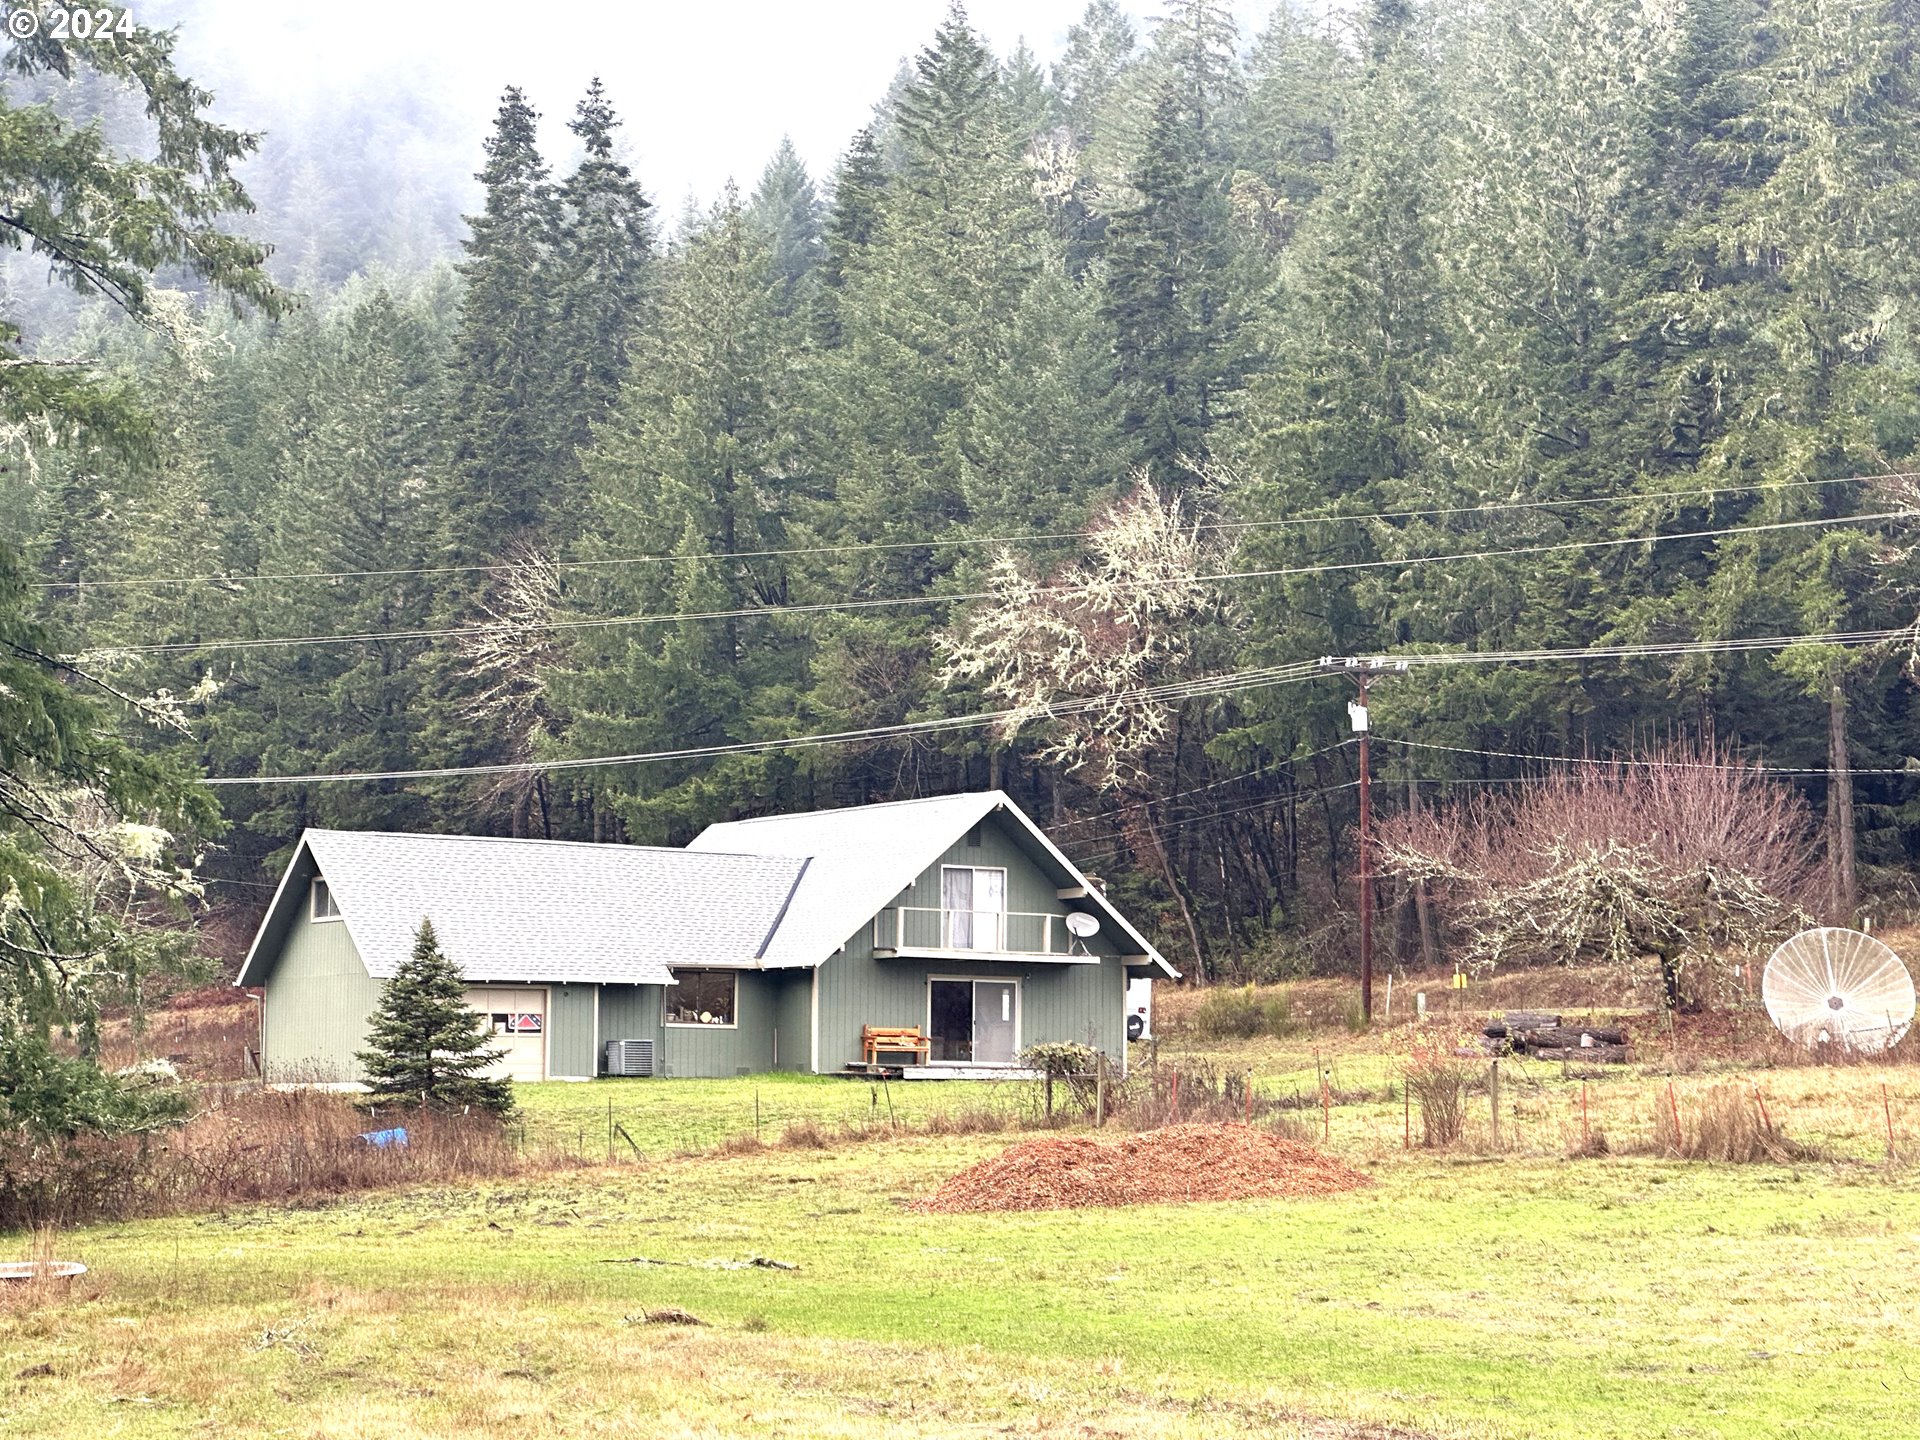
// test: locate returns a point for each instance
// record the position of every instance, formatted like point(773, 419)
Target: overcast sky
point(705, 89)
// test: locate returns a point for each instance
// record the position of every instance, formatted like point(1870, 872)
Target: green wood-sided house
point(766, 944)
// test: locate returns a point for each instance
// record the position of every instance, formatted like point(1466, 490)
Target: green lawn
point(665, 1117)
point(1522, 1297)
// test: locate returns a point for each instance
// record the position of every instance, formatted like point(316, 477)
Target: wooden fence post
point(1493, 1096)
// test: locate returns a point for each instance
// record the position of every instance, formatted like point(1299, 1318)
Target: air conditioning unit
point(630, 1057)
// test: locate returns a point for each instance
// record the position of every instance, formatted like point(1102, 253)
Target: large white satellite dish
point(1838, 987)
point(1082, 924)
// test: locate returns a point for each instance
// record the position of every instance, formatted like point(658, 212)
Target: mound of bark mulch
point(1156, 1167)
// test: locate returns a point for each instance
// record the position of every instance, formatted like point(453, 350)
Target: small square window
point(323, 906)
point(702, 997)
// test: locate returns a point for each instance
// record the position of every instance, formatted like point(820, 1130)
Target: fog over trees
point(1176, 359)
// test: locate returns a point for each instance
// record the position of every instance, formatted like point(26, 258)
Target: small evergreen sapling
point(425, 1044)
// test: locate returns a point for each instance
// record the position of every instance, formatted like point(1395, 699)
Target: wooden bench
point(876, 1040)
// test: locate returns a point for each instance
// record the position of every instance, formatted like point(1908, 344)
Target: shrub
point(1240, 1014)
point(1690, 853)
point(804, 1134)
point(1067, 1064)
point(47, 1096)
point(1437, 1079)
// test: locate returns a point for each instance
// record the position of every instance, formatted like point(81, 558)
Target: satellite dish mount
point(1081, 927)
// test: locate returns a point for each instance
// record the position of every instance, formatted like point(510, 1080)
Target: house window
point(323, 906)
point(703, 997)
point(973, 907)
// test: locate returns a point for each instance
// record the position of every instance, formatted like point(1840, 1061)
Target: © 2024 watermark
point(68, 23)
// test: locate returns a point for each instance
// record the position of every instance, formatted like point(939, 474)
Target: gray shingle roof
point(786, 890)
point(546, 910)
point(865, 855)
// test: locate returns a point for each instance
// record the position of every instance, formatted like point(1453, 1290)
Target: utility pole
point(1363, 672)
point(1360, 718)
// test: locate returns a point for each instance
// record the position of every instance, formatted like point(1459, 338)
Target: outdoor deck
point(937, 1071)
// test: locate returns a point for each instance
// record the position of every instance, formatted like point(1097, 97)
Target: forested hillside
point(1039, 442)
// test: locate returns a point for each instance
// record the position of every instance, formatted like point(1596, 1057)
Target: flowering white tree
point(1092, 656)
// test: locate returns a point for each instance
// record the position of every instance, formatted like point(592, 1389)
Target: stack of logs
point(1540, 1036)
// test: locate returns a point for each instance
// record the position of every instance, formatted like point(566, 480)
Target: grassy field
point(1508, 1295)
point(667, 1117)
point(1625, 1298)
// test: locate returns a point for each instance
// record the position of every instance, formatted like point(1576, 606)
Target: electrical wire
point(1093, 816)
point(1635, 761)
point(903, 601)
point(1291, 673)
point(1488, 507)
point(1185, 820)
point(1632, 651)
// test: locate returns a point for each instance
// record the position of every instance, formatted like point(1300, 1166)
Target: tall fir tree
point(599, 276)
point(1169, 250)
point(853, 215)
point(786, 210)
point(697, 465)
point(503, 463)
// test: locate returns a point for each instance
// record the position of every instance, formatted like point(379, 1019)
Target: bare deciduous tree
point(1688, 854)
point(507, 654)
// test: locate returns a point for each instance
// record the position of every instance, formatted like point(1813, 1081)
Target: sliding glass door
point(973, 1021)
point(994, 1028)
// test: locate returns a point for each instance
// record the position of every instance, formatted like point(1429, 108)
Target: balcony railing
point(990, 932)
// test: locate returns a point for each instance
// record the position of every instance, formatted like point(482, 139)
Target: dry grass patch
point(247, 1144)
point(344, 1364)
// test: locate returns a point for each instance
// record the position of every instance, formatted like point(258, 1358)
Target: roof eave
point(1149, 955)
point(268, 920)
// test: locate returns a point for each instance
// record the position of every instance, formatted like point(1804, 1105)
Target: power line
point(1651, 649)
point(1488, 507)
point(1288, 674)
point(1186, 820)
point(1906, 772)
point(905, 601)
point(1091, 816)
point(1232, 682)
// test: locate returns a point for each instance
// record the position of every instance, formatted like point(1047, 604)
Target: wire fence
point(1441, 1103)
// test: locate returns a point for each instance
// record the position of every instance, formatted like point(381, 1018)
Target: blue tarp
point(384, 1138)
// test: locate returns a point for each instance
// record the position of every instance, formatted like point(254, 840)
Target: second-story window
point(973, 905)
point(323, 906)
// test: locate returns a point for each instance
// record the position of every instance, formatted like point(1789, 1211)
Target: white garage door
point(518, 1019)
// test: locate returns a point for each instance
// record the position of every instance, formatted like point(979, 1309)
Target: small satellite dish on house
point(1082, 925)
point(1838, 987)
